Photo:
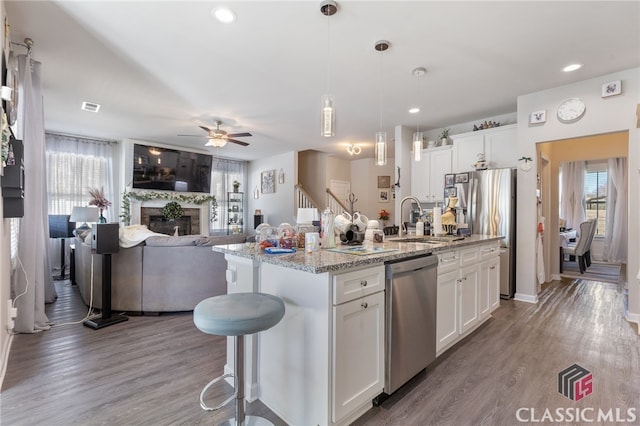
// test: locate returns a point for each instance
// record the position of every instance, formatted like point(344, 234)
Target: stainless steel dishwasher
point(410, 339)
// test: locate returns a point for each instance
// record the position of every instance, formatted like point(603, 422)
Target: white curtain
point(75, 164)
point(32, 283)
point(224, 173)
point(573, 207)
point(615, 241)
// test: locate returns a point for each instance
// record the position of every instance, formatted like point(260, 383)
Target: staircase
point(304, 200)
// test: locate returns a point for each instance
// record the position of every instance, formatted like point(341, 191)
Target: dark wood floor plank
point(150, 369)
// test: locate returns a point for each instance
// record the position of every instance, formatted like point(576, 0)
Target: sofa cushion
point(171, 241)
point(221, 240)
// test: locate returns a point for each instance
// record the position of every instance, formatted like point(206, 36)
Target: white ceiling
point(161, 68)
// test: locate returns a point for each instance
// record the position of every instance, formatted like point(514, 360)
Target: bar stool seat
point(237, 314)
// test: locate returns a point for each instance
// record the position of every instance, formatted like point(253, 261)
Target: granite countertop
point(329, 260)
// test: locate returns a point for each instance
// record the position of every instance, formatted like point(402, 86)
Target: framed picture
point(451, 192)
point(384, 181)
point(268, 180)
point(538, 117)
point(612, 88)
point(462, 177)
point(383, 195)
point(449, 180)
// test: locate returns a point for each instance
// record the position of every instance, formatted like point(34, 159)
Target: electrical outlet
point(12, 313)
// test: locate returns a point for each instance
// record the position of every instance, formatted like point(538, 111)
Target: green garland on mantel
point(179, 197)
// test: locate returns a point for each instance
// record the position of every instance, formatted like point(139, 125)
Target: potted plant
point(444, 136)
point(236, 186)
point(100, 201)
point(383, 215)
point(172, 211)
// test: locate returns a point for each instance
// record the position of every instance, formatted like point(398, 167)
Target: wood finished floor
point(149, 370)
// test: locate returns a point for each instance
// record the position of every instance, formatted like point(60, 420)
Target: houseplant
point(100, 201)
point(383, 215)
point(236, 186)
point(444, 136)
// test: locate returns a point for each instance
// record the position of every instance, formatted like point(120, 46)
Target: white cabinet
point(468, 291)
point(427, 175)
point(497, 144)
point(358, 340)
point(458, 287)
point(468, 288)
point(489, 286)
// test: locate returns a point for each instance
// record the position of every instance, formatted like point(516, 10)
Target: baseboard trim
point(525, 298)
point(634, 318)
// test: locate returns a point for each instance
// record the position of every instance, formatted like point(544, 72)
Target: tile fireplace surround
point(141, 211)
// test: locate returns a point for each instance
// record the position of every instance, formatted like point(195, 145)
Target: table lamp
point(84, 215)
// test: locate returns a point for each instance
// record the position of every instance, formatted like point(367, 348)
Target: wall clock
point(571, 110)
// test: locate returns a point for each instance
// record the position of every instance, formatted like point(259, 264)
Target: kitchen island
point(324, 362)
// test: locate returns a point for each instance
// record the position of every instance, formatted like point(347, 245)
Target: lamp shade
point(307, 216)
point(85, 214)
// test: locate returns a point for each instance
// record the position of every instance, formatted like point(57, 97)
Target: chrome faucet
point(402, 227)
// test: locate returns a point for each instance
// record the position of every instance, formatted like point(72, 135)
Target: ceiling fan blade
point(238, 142)
point(206, 129)
point(195, 136)
point(239, 135)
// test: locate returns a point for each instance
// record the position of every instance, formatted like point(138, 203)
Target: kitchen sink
point(427, 239)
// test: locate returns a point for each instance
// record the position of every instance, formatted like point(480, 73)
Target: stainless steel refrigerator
point(488, 201)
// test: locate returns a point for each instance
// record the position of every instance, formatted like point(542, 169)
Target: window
point(595, 191)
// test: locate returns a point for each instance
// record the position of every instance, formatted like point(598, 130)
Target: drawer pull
point(444, 260)
point(365, 305)
point(492, 267)
point(363, 283)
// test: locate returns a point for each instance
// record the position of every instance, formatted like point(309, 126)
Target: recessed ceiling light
point(414, 110)
point(90, 106)
point(224, 15)
point(572, 67)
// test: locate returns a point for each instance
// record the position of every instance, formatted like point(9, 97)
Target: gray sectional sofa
point(162, 274)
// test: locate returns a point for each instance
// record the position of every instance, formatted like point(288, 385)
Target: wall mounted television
point(170, 169)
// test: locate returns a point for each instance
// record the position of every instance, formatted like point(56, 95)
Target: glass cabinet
point(235, 212)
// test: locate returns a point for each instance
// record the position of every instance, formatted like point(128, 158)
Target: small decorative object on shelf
point(172, 211)
point(525, 167)
point(100, 201)
point(235, 212)
point(486, 125)
point(444, 136)
point(236, 186)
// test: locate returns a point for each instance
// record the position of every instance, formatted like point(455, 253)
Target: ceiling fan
point(219, 138)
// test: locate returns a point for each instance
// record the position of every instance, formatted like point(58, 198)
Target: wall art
point(612, 88)
point(268, 180)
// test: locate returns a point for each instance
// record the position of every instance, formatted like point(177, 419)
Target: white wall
point(279, 206)
point(364, 185)
point(603, 115)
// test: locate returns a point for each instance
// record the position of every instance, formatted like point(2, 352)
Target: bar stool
point(237, 315)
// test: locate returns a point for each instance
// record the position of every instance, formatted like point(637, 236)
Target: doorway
point(587, 148)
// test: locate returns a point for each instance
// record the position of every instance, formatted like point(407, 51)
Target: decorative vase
point(101, 218)
point(236, 188)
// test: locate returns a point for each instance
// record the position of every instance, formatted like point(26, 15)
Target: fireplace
point(188, 224)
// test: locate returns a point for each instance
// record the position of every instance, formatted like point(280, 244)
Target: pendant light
point(417, 136)
point(328, 115)
point(381, 136)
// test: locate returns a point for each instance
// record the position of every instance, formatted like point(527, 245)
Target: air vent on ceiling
point(90, 106)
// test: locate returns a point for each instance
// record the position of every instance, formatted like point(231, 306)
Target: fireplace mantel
point(135, 210)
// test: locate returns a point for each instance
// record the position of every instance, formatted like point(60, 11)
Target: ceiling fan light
point(218, 143)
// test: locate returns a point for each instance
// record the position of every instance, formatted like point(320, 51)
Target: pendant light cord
point(380, 90)
point(328, 51)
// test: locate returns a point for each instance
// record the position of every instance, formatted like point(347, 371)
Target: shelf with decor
point(235, 212)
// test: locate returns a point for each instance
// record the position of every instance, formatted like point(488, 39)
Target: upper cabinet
point(497, 144)
point(427, 175)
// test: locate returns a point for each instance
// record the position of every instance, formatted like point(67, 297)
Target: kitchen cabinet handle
point(365, 305)
point(492, 267)
point(444, 260)
point(363, 283)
